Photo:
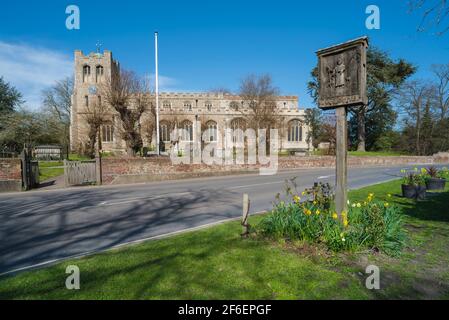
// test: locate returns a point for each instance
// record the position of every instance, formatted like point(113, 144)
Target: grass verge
point(216, 264)
point(50, 169)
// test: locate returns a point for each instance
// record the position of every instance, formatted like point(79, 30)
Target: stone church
point(210, 111)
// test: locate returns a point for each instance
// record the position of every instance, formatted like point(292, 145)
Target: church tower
point(90, 72)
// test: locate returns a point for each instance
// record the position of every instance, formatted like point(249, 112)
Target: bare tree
point(442, 89)
point(96, 115)
point(57, 102)
point(258, 102)
point(435, 14)
point(415, 97)
point(130, 97)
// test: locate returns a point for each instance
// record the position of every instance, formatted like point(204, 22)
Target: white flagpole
point(157, 93)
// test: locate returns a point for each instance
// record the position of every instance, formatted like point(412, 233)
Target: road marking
point(256, 185)
point(325, 177)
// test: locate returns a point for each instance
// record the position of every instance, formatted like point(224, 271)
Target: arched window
point(86, 101)
point(107, 133)
point(208, 106)
point(164, 131)
point(86, 73)
point(294, 131)
point(188, 106)
point(211, 129)
point(187, 131)
point(166, 104)
point(99, 100)
point(99, 72)
point(238, 136)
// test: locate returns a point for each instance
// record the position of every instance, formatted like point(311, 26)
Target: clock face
point(92, 89)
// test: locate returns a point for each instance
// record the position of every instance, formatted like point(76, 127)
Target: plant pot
point(408, 192)
point(421, 192)
point(433, 184)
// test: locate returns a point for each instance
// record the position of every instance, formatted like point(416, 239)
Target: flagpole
point(157, 93)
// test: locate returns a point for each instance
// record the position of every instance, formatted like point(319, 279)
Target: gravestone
point(342, 84)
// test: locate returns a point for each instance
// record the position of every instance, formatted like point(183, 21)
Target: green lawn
point(217, 264)
point(50, 169)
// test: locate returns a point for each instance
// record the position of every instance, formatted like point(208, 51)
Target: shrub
point(374, 225)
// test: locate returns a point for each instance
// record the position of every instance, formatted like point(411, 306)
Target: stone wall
point(10, 175)
point(138, 170)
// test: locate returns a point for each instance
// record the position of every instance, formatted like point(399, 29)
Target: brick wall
point(10, 175)
point(135, 170)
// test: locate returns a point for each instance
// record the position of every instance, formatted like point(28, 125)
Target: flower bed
point(373, 224)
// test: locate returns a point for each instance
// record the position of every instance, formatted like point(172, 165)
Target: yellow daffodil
point(335, 216)
point(315, 203)
point(389, 195)
point(318, 212)
point(354, 205)
point(297, 199)
point(386, 204)
point(359, 205)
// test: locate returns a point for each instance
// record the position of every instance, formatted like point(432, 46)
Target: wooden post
point(341, 192)
point(98, 173)
point(66, 173)
point(245, 225)
point(342, 73)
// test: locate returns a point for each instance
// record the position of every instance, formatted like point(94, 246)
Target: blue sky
point(203, 44)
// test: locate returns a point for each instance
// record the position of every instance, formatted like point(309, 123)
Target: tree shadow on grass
point(434, 208)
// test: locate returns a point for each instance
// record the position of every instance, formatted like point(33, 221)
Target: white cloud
point(32, 69)
point(166, 84)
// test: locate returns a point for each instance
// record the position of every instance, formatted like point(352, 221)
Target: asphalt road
point(41, 227)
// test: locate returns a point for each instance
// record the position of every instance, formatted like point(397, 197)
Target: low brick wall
point(137, 170)
point(10, 175)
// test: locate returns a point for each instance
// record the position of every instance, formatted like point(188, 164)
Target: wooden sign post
point(342, 84)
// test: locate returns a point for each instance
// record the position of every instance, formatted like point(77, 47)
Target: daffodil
point(359, 205)
point(318, 212)
point(297, 199)
point(354, 205)
point(315, 203)
point(386, 204)
point(335, 216)
point(389, 195)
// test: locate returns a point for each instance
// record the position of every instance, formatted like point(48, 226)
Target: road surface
point(41, 227)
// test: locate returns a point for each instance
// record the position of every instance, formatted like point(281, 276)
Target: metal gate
point(78, 173)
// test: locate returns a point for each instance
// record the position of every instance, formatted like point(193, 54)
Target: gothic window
point(107, 133)
point(99, 100)
point(86, 101)
point(188, 106)
point(208, 106)
point(295, 131)
point(187, 131)
point(99, 72)
point(211, 129)
point(86, 73)
point(238, 123)
point(164, 132)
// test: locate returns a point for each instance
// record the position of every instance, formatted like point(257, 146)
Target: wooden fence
point(78, 173)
